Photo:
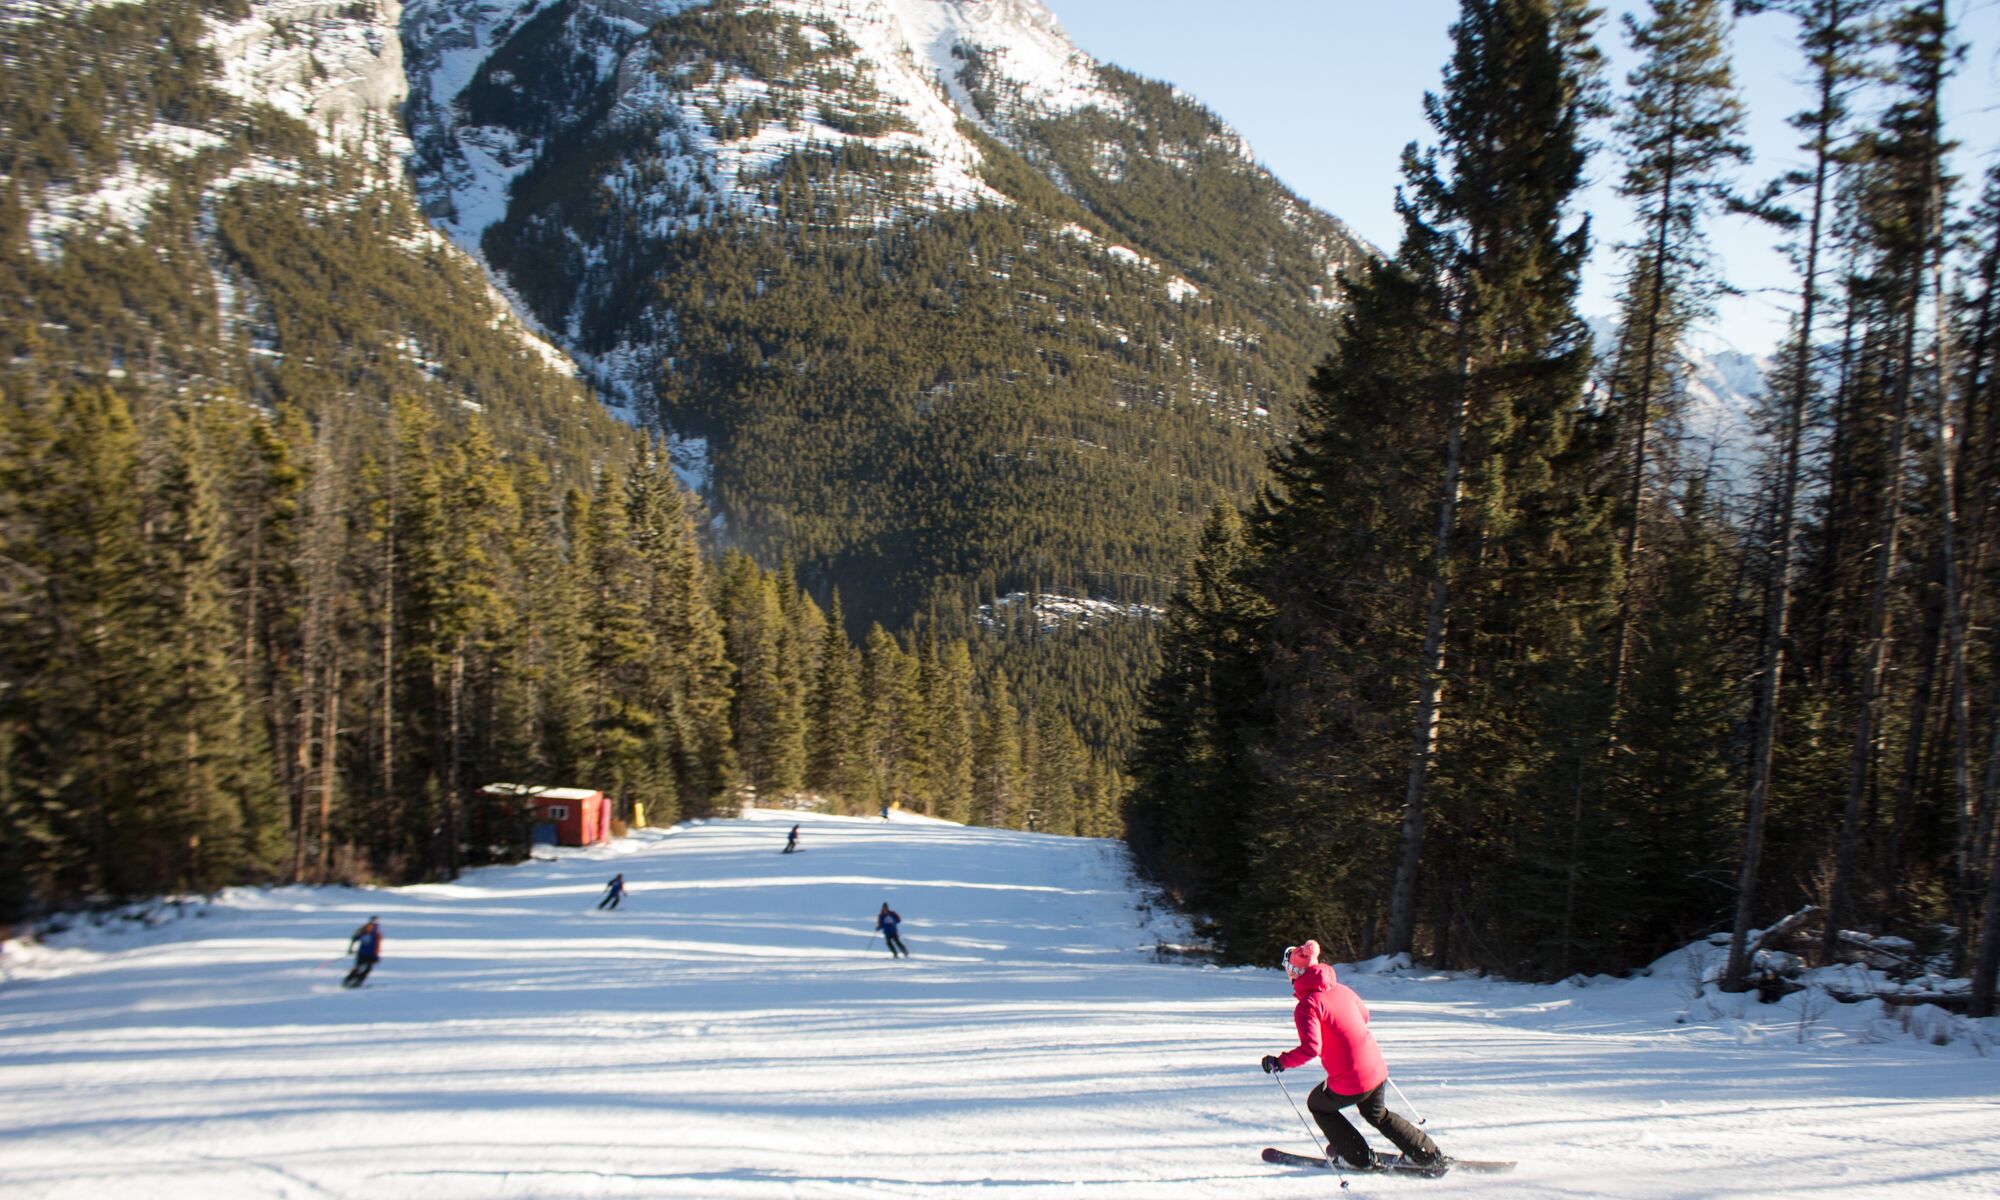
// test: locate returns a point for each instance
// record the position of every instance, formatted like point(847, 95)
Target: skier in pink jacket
point(1333, 1027)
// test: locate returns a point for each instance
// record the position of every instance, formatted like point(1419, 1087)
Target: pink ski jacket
point(1333, 1026)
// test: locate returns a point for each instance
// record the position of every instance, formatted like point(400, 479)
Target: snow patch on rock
point(320, 62)
point(1020, 39)
point(1052, 611)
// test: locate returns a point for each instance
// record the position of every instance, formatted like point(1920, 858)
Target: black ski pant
point(896, 946)
point(611, 901)
point(1347, 1141)
point(360, 972)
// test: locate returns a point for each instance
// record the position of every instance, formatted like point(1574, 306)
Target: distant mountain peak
point(888, 77)
point(1020, 41)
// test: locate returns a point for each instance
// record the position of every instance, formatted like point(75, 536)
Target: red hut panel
point(564, 816)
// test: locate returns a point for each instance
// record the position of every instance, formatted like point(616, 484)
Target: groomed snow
point(733, 1033)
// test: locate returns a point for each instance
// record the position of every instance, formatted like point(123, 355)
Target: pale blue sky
point(1328, 92)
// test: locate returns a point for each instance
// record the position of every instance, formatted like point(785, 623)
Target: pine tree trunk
point(1945, 438)
point(1889, 526)
point(1837, 522)
point(1648, 364)
point(453, 807)
point(329, 764)
point(1987, 964)
point(192, 792)
point(1913, 741)
point(321, 575)
point(253, 596)
point(303, 749)
point(1778, 600)
point(1430, 670)
point(388, 702)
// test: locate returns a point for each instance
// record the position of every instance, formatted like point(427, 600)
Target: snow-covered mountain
point(863, 253)
point(733, 1029)
point(1723, 388)
point(211, 198)
point(709, 102)
point(898, 92)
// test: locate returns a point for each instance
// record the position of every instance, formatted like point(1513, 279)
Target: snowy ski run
point(738, 1031)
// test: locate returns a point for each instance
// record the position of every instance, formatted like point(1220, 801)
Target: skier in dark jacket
point(366, 947)
point(887, 921)
point(613, 892)
point(792, 840)
point(1333, 1027)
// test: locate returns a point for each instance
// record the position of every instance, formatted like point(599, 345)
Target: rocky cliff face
point(338, 67)
point(210, 198)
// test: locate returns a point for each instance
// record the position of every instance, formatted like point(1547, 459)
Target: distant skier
point(1333, 1025)
point(613, 893)
point(885, 812)
point(366, 947)
point(887, 921)
point(792, 840)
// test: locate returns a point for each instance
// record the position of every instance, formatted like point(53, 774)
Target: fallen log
point(1956, 1002)
point(1776, 934)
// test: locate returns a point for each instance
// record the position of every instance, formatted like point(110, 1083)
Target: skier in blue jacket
point(366, 946)
point(613, 892)
point(887, 921)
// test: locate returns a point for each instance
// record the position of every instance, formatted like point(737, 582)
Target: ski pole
point(1406, 1100)
point(1331, 1155)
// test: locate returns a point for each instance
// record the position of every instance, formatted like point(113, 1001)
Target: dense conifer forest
point(233, 656)
point(1501, 670)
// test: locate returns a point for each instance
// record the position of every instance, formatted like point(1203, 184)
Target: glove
point(1271, 1064)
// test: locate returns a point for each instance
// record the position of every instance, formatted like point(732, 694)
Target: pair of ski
point(1390, 1164)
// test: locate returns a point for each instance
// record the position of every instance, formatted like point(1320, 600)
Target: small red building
point(562, 816)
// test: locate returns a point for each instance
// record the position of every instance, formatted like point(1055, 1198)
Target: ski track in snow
point(733, 1033)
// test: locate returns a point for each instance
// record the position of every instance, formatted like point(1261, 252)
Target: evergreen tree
point(1441, 471)
point(544, 691)
point(1674, 777)
point(1192, 775)
point(840, 764)
point(996, 760)
point(948, 702)
point(85, 679)
point(1681, 126)
point(621, 651)
point(208, 778)
point(697, 697)
point(1515, 515)
point(913, 774)
point(769, 734)
point(892, 696)
point(1055, 765)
